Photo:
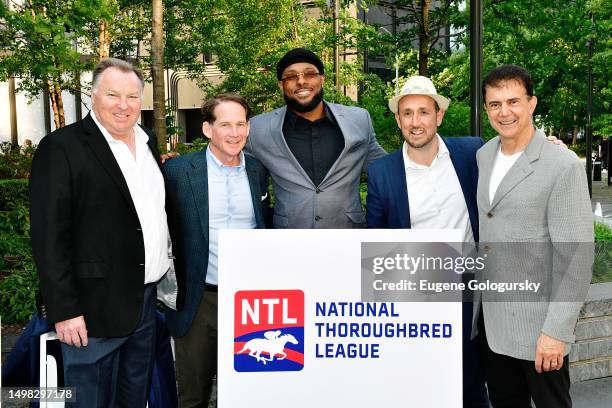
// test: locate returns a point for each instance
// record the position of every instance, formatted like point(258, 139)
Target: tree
point(157, 70)
point(39, 43)
point(425, 23)
point(549, 39)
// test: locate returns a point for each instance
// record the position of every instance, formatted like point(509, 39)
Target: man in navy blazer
point(217, 188)
point(430, 183)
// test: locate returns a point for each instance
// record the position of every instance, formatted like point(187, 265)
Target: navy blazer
point(387, 199)
point(387, 207)
point(187, 178)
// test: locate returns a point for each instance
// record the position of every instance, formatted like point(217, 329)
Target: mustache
point(297, 106)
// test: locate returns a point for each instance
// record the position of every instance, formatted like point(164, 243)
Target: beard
point(417, 145)
point(297, 106)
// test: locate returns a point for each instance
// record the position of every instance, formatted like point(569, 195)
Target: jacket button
point(318, 190)
point(138, 229)
point(490, 215)
point(487, 248)
point(317, 218)
point(141, 264)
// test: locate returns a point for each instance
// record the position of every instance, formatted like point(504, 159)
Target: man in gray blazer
point(315, 151)
point(535, 223)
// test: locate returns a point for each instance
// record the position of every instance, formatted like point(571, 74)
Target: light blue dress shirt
point(229, 205)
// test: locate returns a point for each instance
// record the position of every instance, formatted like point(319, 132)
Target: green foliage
point(374, 98)
point(602, 266)
point(14, 195)
point(38, 37)
point(18, 279)
point(579, 149)
point(197, 145)
point(17, 291)
point(421, 31)
point(603, 233)
point(549, 38)
point(15, 161)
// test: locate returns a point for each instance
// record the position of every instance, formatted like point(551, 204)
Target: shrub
point(579, 149)
point(18, 278)
point(17, 289)
point(15, 162)
point(195, 146)
point(602, 266)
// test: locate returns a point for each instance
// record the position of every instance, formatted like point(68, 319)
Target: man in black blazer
point(100, 241)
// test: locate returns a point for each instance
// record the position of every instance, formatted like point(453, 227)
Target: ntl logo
point(268, 330)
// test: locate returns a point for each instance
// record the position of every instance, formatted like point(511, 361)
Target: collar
point(292, 118)
point(442, 152)
point(212, 159)
point(140, 135)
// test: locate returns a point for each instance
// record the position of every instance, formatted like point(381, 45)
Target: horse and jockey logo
point(273, 344)
point(269, 325)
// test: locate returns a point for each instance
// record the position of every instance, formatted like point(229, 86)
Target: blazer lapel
point(485, 166)
point(521, 169)
point(152, 143)
point(276, 130)
point(397, 181)
point(461, 164)
point(198, 180)
point(98, 144)
point(253, 176)
point(348, 143)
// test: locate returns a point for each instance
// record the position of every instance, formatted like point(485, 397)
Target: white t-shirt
point(503, 163)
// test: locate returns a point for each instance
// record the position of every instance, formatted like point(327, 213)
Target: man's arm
point(570, 224)
point(51, 234)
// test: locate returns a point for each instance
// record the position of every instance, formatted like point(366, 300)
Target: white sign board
point(293, 331)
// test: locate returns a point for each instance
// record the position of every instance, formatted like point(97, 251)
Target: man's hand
point(554, 140)
point(72, 331)
point(168, 156)
point(549, 353)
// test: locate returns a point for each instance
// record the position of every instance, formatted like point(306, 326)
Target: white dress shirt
point(435, 197)
point(229, 205)
point(146, 184)
point(502, 165)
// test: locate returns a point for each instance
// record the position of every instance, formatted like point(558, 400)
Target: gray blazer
point(335, 203)
point(543, 202)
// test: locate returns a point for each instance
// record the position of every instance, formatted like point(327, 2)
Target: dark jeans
point(114, 372)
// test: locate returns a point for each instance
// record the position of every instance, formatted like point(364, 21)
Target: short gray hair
point(121, 65)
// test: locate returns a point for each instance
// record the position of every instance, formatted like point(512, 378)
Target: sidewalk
point(587, 394)
point(593, 393)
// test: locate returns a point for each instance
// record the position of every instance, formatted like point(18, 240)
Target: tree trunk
point(424, 38)
point(575, 132)
point(13, 111)
point(55, 94)
point(60, 106)
point(157, 70)
point(103, 40)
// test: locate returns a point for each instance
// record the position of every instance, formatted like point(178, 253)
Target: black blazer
point(86, 237)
